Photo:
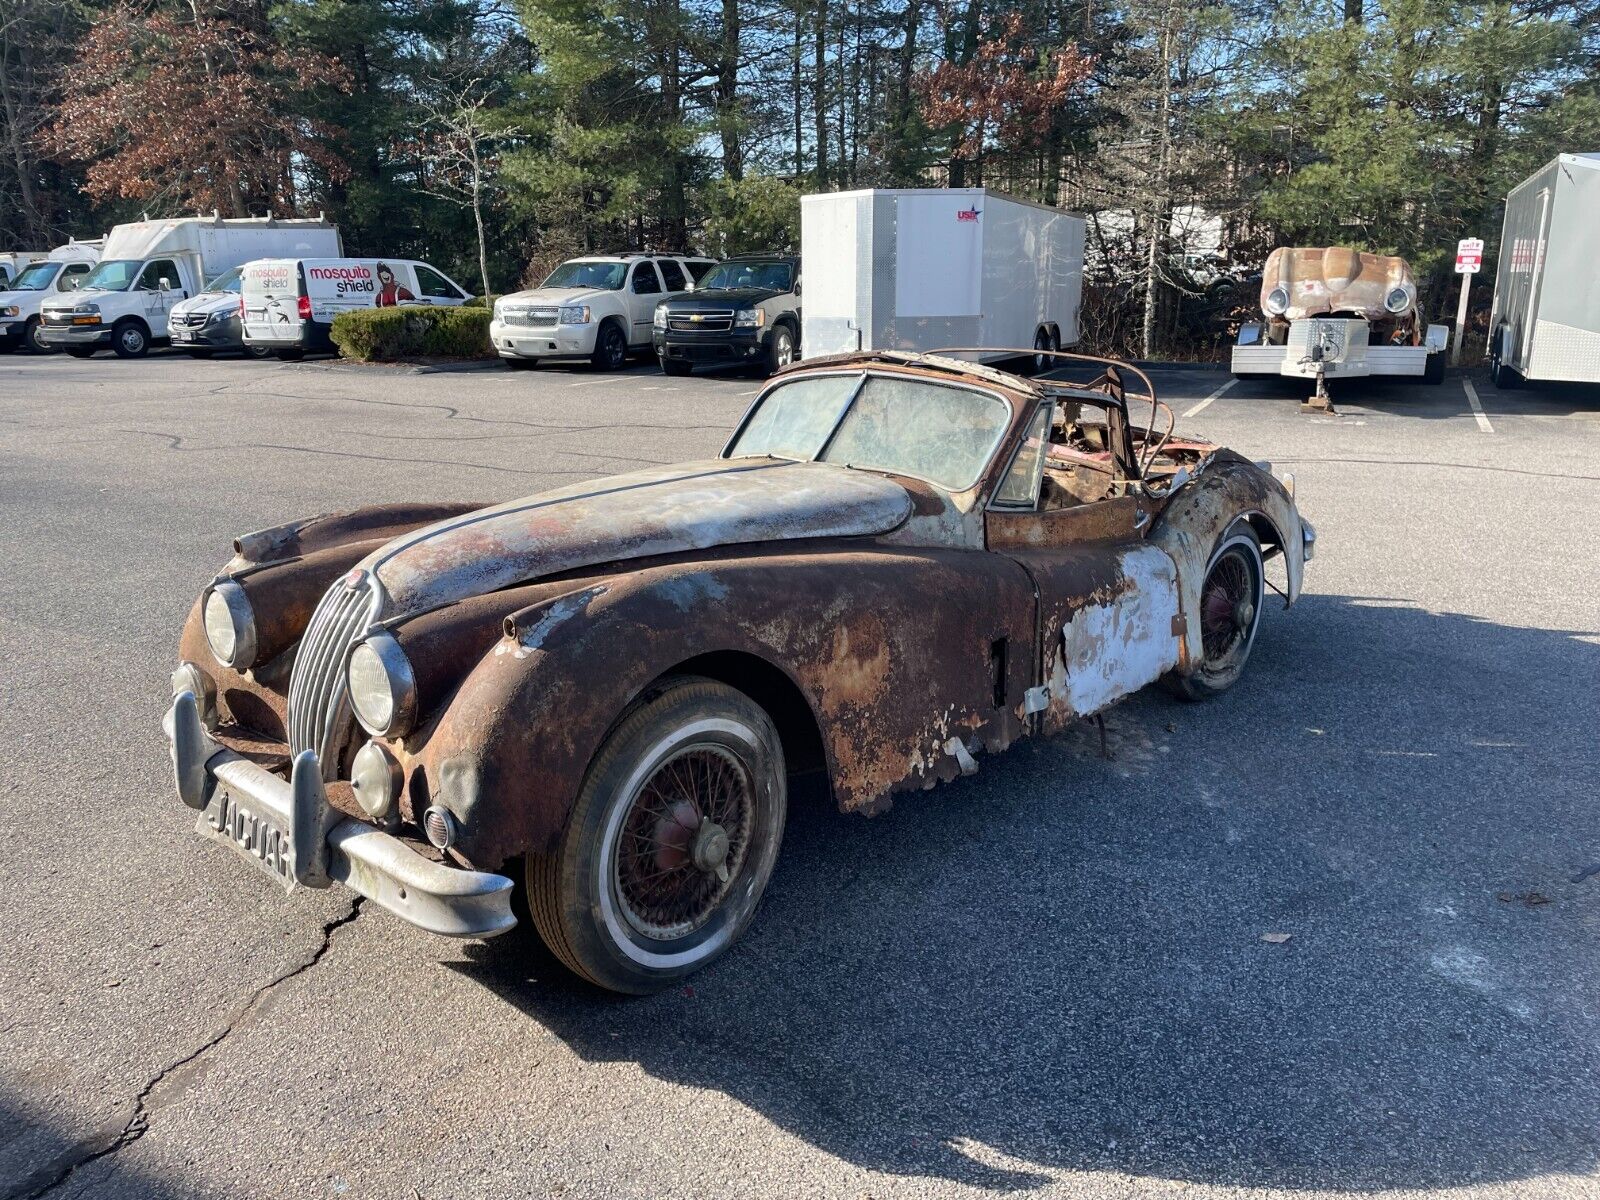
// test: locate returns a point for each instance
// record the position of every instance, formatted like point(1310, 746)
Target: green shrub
point(394, 334)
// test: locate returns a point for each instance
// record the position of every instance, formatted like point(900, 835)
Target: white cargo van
point(289, 304)
point(63, 270)
point(929, 269)
point(146, 267)
point(1545, 323)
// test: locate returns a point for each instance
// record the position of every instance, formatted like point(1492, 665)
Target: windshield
point(114, 275)
point(768, 276)
point(35, 279)
point(228, 281)
point(607, 276)
point(932, 431)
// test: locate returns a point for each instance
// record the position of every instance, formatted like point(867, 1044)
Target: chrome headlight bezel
point(382, 686)
point(573, 314)
point(1397, 301)
point(230, 624)
point(1276, 302)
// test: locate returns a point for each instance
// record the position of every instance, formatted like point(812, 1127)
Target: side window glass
point(1020, 487)
point(150, 278)
point(672, 275)
point(72, 278)
point(431, 283)
point(699, 266)
point(645, 280)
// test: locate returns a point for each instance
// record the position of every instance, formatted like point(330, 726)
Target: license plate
point(182, 335)
point(252, 834)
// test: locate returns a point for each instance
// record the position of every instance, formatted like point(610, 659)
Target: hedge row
point(393, 334)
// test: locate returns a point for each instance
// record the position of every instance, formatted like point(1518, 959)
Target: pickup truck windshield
point(228, 281)
point(775, 277)
point(603, 275)
point(35, 278)
point(945, 435)
point(113, 275)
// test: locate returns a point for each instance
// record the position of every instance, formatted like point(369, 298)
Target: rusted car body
point(900, 564)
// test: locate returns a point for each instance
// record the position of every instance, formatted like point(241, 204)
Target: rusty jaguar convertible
point(900, 563)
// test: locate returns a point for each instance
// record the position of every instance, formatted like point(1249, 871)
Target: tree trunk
point(728, 91)
point(477, 217)
point(799, 98)
point(819, 88)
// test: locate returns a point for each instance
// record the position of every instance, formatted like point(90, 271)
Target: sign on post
point(1469, 261)
point(1469, 256)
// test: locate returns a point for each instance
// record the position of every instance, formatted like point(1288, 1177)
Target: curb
point(437, 367)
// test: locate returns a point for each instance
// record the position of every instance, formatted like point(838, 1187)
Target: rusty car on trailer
point(899, 564)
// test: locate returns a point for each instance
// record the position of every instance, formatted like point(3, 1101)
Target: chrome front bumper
point(291, 831)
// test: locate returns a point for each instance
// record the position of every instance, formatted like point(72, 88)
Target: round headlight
point(1397, 301)
point(383, 691)
point(375, 779)
point(230, 625)
point(1277, 301)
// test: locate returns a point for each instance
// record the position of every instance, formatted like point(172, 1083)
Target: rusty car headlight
point(1277, 301)
point(1397, 301)
point(230, 625)
point(375, 779)
point(383, 688)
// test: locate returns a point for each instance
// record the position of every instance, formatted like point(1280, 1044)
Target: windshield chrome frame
point(866, 373)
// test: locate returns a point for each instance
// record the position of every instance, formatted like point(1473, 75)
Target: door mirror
point(797, 286)
point(166, 284)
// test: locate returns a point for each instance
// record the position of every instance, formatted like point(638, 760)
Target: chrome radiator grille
point(319, 701)
point(706, 321)
point(529, 316)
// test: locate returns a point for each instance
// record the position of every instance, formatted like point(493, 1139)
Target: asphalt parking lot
point(1049, 978)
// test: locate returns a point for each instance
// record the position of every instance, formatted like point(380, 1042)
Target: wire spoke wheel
point(1229, 614)
point(684, 840)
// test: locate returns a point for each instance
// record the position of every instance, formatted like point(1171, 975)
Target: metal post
point(1461, 321)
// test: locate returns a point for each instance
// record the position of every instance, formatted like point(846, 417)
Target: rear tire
point(675, 366)
point(670, 843)
point(257, 352)
point(130, 339)
point(1501, 373)
point(610, 348)
point(1230, 613)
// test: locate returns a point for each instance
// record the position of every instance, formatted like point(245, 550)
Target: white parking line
point(1204, 403)
point(1477, 409)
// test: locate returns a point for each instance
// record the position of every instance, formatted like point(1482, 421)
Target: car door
point(644, 293)
point(1108, 600)
point(434, 288)
point(161, 286)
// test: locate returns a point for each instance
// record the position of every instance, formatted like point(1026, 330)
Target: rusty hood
point(1323, 279)
point(665, 510)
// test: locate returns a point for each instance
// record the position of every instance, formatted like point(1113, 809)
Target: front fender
point(894, 652)
point(1229, 488)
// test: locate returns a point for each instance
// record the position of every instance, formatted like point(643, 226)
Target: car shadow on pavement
point(1059, 965)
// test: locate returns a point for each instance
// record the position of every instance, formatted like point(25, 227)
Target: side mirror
point(166, 284)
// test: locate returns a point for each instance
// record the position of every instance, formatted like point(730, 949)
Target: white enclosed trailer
point(1545, 323)
point(928, 269)
point(146, 267)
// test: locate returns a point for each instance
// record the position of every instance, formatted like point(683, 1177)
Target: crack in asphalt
point(138, 1124)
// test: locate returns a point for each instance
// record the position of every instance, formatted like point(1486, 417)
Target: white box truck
point(1545, 322)
point(146, 267)
point(14, 262)
point(935, 268)
point(61, 271)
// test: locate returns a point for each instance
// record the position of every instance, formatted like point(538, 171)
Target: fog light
point(375, 779)
point(190, 678)
point(441, 827)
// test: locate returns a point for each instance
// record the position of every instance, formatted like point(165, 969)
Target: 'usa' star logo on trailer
point(968, 214)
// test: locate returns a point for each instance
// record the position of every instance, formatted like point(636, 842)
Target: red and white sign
point(1469, 256)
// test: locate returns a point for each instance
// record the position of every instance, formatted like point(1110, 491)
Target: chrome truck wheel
point(671, 842)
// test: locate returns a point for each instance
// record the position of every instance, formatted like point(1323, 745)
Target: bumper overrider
point(289, 829)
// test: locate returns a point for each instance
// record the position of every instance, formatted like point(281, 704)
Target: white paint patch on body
point(1112, 649)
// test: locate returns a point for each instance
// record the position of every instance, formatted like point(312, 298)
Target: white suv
point(599, 308)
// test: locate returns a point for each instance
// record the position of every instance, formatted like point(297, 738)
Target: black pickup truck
point(743, 310)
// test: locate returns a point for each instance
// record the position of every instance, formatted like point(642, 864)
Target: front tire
point(32, 342)
point(130, 339)
point(610, 348)
point(780, 349)
point(1230, 613)
point(671, 842)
